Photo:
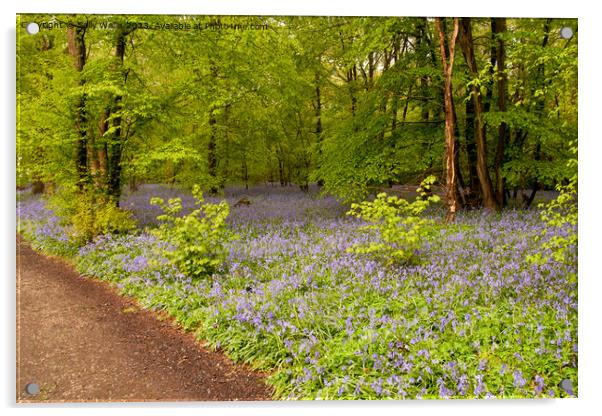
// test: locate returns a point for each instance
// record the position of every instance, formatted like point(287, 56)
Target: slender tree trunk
point(281, 168)
point(319, 123)
point(77, 49)
point(471, 155)
point(422, 61)
point(406, 105)
point(499, 28)
point(467, 44)
point(460, 179)
point(245, 170)
point(318, 114)
point(394, 110)
point(115, 141)
point(101, 151)
point(212, 145)
point(535, 186)
point(450, 142)
point(539, 107)
point(211, 151)
point(39, 153)
point(351, 78)
point(493, 55)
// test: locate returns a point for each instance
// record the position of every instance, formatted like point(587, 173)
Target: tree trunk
point(466, 41)
point(245, 170)
point(450, 142)
point(539, 107)
point(319, 123)
point(351, 80)
point(281, 174)
point(114, 141)
point(460, 179)
point(422, 61)
point(499, 27)
point(318, 114)
point(474, 192)
point(212, 145)
point(77, 49)
point(101, 149)
point(211, 151)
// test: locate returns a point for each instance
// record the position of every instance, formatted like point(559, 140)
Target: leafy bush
point(198, 239)
point(560, 214)
point(401, 228)
point(89, 214)
point(471, 321)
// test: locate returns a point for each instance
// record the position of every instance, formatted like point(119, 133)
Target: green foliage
point(355, 107)
point(198, 239)
point(561, 213)
point(351, 109)
point(88, 214)
point(399, 223)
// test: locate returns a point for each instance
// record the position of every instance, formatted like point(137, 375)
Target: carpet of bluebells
point(472, 319)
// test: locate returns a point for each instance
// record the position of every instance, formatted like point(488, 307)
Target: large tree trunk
point(498, 26)
point(39, 152)
point(450, 142)
point(466, 41)
point(77, 49)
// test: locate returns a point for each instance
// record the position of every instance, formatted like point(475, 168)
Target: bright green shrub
point(198, 239)
point(89, 213)
point(561, 213)
point(401, 228)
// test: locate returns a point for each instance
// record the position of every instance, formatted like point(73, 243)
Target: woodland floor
point(80, 341)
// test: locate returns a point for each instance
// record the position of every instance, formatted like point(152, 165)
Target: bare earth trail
point(80, 341)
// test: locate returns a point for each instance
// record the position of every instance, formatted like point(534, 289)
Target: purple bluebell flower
point(539, 384)
point(519, 381)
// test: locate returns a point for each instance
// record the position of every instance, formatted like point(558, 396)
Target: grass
point(472, 319)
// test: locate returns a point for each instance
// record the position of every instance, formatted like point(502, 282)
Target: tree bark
point(422, 61)
point(318, 113)
point(319, 123)
point(474, 194)
point(539, 107)
point(77, 49)
point(101, 151)
point(450, 142)
point(212, 145)
point(211, 151)
point(466, 41)
point(499, 28)
point(115, 141)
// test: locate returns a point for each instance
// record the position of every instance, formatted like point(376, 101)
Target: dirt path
point(80, 341)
